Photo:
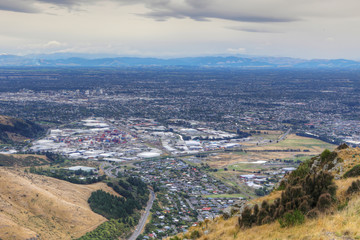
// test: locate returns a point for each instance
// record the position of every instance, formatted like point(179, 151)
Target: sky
point(179, 28)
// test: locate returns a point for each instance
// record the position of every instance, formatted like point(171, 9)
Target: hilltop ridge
point(238, 61)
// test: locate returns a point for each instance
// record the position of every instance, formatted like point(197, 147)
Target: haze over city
point(177, 28)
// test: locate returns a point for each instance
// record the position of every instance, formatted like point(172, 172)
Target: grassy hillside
point(22, 160)
point(16, 130)
point(340, 220)
point(33, 205)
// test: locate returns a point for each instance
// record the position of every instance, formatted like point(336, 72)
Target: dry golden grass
point(4, 120)
point(22, 156)
point(351, 157)
point(270, 198)
point(33, 205)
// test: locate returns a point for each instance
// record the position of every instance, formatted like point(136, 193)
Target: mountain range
point(88, 60)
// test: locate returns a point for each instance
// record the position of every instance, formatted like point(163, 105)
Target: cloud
point(257, 11)
point(18, 6)
point(253, 30)
point(54, 44)
point(236, 50)
point(32, 6)
point(200, 10)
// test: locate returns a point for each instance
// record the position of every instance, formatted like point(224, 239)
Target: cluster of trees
point(70, 176)
point(261, 191)
point(54, 157)
point(305, 194)
point(111, 206)
point(122, 211)
point(132, 188)
point(111, 229)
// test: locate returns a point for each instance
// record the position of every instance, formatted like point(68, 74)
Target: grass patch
point(225, 196)
point(243, 167)
point(309, 143)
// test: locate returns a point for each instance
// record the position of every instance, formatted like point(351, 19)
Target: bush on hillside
point(301, 196)
point(291, 219)
point(354, 172)
point(354, 187)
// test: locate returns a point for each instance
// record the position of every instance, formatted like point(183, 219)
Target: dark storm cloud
point(199, 10)
point(29, 6)
point(17, 6)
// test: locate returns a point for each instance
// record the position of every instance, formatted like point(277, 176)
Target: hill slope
point(16, 130)
point(23, 160)
point(340, 222)
point(33, 206)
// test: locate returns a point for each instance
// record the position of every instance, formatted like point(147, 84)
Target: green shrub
point(325, 154)
point(313, 213)
point(301, 171)
point(175, 238)
point(303, 195)
point(195, 234)
point(246, 219)
point(354, 187)
point(292, 218)
point(354, 172)
point(324, 202)
point(304, 206)
point(282, 186)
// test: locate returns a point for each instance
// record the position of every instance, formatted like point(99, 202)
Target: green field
point(243, 166)
point(225, 196)
point(300, 157)
point(306, 143)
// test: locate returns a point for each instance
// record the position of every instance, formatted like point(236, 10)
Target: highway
point(144, 217)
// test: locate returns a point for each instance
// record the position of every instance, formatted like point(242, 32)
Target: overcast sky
point(176, 28)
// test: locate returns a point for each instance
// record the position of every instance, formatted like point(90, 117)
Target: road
point(284, 136)
point(150, 203)
point(144, 217)
point(108, 171)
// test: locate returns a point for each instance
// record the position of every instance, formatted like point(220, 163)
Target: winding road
point(149, 205)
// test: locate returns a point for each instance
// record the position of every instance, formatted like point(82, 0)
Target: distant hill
point(320, 200)
point(83, 60)
point(17, 130)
